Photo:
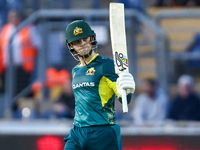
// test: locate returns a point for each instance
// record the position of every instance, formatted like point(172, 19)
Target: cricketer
point(95, 86)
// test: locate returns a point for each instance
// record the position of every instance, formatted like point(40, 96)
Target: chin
point(84, 52)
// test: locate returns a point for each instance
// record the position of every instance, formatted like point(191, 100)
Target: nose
point(82, 42)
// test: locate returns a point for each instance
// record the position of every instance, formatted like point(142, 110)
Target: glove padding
point(126, 82)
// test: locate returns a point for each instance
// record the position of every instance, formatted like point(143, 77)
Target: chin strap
point(85, 63)
point(86, 56)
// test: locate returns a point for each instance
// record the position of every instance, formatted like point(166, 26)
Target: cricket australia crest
point(90, 71)
point(77, 31)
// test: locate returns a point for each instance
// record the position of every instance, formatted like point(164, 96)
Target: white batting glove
point(126, 82)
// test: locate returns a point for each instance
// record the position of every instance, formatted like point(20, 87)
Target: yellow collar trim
point(90, 59)
point(93, 58)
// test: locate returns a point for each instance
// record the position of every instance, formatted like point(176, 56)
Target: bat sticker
point(121, 61)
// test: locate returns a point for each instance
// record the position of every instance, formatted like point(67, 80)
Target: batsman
point(95, 85)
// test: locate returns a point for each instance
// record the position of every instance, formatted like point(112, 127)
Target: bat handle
point(124, 101)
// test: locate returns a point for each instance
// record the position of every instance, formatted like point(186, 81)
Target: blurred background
point(36, 98)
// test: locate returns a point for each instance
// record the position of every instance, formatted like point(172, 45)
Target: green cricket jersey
point(94, 90)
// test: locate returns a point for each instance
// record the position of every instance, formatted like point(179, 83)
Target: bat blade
point(118, 37)
point(118, 42)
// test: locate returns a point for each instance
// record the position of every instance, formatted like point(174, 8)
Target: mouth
point(84, 51)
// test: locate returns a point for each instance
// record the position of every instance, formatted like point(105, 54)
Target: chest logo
point(90, 71)
point(77, 31)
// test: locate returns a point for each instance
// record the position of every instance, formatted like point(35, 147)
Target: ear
point(70, 46)
point(92, 38)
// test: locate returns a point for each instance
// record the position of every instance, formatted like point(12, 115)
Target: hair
point(186, 79)
point(151, 81)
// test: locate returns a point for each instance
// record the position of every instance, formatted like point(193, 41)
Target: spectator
point(61, 98)
point(151, 105)
point(64, 107)
point(24, 47)
point(185, 106)
point(5, 6)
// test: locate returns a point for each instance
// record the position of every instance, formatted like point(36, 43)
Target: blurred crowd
point(150, 104)
point(154, 105)
point(25, 46)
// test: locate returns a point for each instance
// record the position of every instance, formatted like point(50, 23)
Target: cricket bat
point(118, 42)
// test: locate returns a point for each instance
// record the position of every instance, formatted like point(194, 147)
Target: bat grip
point(124, 101)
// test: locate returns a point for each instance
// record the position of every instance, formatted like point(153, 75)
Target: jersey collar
point(93, 58)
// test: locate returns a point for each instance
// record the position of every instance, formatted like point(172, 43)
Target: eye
point(76, 42)
point(86, 39)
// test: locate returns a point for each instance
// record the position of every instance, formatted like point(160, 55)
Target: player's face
point(82, 46)
point(14, 18)
point(148, 88)
point(184, 90)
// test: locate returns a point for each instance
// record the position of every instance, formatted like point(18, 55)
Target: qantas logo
point(84, 84)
